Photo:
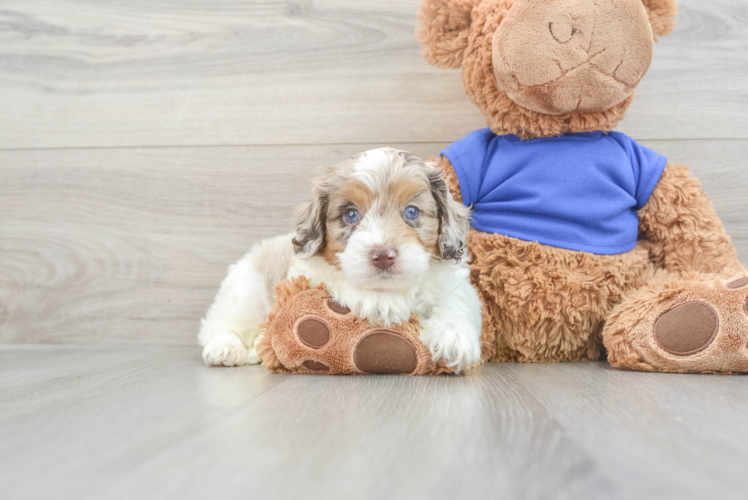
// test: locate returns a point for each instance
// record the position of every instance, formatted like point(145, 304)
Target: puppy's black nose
point(383, 257)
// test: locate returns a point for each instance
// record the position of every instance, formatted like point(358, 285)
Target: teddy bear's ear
point(444, 26)
point(661, 16)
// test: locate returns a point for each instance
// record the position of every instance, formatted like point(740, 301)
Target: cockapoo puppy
point(383, 233)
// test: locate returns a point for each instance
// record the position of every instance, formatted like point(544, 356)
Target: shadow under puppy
point(385, 236)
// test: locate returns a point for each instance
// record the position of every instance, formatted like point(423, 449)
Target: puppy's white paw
point(225, 350)
point(381, 310)
point(458, 345)
point(253, 358)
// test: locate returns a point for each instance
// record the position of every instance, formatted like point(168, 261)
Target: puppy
point(383, 233)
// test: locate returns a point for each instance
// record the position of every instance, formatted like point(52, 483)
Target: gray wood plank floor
point(152, 422)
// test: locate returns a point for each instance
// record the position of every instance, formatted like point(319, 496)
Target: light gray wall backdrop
point(147, 144)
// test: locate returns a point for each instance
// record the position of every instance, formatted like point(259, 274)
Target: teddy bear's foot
point(379, 351)
point(692, 326)
point(314, 334)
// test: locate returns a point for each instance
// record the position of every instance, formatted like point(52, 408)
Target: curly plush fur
point(548, 304)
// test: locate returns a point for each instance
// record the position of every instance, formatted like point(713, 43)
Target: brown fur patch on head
point(399, 180)
point(384, 184)
point(349, 195)
point(312, 217)
point(423, 231)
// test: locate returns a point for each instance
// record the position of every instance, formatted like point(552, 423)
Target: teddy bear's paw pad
point(385, 352)
point(313, 332)
point(316, 366)
point(337, 308)
point(687, 329)
point(738, 283)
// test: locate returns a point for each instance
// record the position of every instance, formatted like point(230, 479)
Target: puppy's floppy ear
point(661, 16)
point(444, 26)
point(454, 218)
point(311, 224)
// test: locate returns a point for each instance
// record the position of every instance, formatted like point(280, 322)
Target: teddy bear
point(308, 332)
point(583, 242)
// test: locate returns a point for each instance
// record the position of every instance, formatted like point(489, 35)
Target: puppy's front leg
point(230, 326)
point(452, 331)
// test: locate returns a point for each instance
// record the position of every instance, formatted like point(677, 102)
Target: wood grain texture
point(86, 73)
point(153, 422)
point(129, 245)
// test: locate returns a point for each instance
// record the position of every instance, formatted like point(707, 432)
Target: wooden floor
point(145, 145)
point(152, 422)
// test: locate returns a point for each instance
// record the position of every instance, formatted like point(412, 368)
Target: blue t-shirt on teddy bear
point(579, 191)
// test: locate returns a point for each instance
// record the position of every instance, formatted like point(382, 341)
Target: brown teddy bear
point(582, 240)
point(307, 332)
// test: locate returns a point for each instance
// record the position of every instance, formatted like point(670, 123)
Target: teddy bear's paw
point(329, 348)
point(687, 329)
point(225, 350)
point(383, 351)
point(313, 334)
point(698, 327)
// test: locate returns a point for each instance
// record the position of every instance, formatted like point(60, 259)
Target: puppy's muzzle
point(383, 257)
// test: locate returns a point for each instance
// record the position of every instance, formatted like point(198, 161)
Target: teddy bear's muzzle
point(562, 56)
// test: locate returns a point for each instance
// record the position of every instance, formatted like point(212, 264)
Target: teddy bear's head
point(542, 68)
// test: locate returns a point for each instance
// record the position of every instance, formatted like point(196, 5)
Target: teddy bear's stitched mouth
point(522, 93)
point(588, 61)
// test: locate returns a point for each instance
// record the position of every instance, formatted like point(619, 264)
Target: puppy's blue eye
point(412, 213)
point(351, 216)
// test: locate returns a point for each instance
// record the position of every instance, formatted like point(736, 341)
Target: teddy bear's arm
point(684, 232)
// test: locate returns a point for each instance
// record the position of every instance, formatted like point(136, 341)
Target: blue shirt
point(579, 192)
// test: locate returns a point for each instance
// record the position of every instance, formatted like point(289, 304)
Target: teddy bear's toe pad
point(687, 329)
point(313, 332)
point(316, 366)
point(337, 308)
point(385, 352)
point(738, 283)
